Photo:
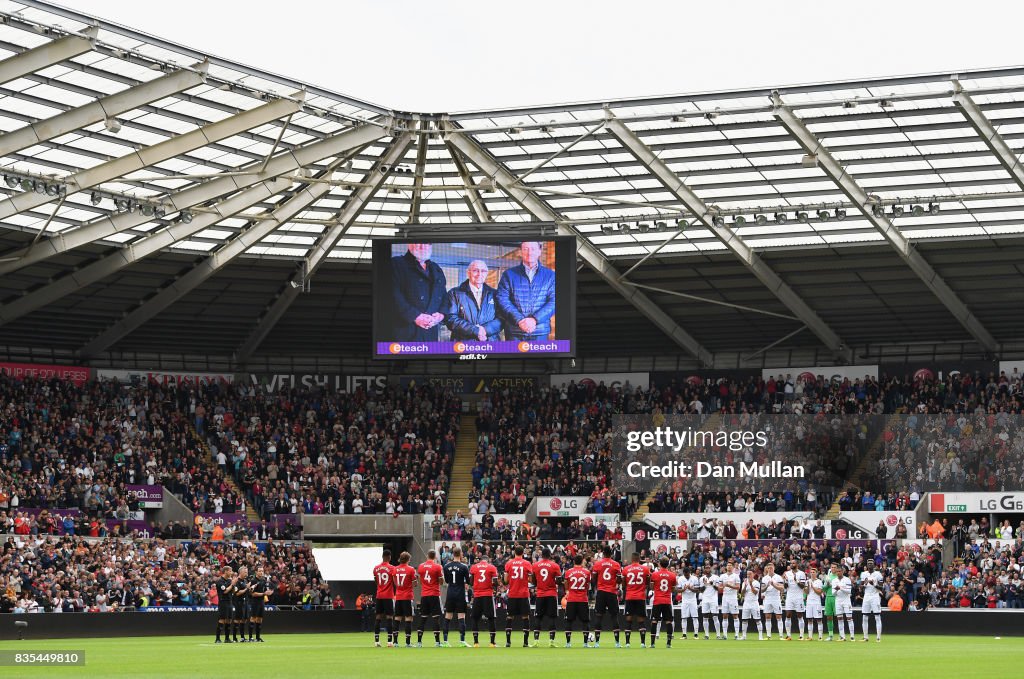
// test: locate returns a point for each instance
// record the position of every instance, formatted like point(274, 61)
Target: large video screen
point(445, 299)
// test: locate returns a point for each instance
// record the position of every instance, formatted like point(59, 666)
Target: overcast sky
point(471, 54)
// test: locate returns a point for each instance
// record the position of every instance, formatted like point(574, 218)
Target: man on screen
point(419, 290)
point(526, 296)
point(471, 309)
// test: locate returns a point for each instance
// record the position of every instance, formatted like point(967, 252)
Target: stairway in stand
point(711, 423)
point(853, 483)
point(250, 513)
point(462, 466)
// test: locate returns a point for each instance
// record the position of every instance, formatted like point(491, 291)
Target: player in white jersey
point(730, 601)
point(751, 591)
point(844, 604)
point(709, 602)
point(772, 585)
point(690, 585)
point(796, 583)
point(871, 580)
point(815, 589)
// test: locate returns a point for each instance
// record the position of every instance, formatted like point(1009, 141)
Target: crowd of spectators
point(986, 575)
point(308, 451)
point(715, 529)
point(325, 453)
point(68, 446)
point(74, 574)
point(459, 527)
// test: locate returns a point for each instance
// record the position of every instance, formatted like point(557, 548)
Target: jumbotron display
point(471, 300)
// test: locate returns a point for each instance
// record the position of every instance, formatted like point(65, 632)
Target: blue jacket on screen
point(415, 291)
point(463, 315)
point(518, 297)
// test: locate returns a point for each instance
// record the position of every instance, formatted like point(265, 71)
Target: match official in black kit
point(257, 599)
point(240, 603)
point(225, 585)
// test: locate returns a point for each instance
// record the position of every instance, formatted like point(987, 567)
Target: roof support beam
point(117, 223)
point(983, 126)
point(101, 109)
point(472, 193)
point(151, 155)
point(422, 142)
point(849, 186)
point(106, 266)
point(318, 255)
point(585, 249)
point(200, 273)
point(692, 202)
point(51, 53)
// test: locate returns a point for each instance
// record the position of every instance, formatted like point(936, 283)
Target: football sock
point(878, 625)
point(462, 629)
point(803, 626)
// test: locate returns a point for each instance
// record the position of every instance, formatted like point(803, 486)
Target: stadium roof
point(158, 197)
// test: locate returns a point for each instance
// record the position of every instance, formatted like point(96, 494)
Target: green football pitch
point(306, 656)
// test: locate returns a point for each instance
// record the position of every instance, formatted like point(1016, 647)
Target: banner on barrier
point(474, 384)
point(148, 497)
point(669, 547)
point(342, 384)
point(739, 518)
point(832, 373)
point(561, 505)
point(611, 380)
point(1013, 369)
point(166, 377)
point(975, 503)
point(76, 374)
point(869, 521)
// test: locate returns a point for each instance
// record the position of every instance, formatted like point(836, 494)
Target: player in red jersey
point(577, 599)
point(518, 572)
point(546, 574)
point(430, 575)
point(663, 582)
point(384, 576)
point(637, 578)
point(405, 580)
point(608, 573)
point(485, 577)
